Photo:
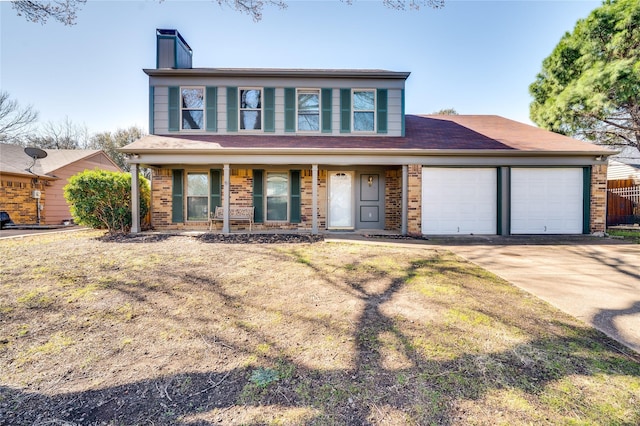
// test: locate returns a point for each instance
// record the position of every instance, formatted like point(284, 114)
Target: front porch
point(311, 199)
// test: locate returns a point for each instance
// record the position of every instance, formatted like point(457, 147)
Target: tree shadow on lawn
point(426, 389)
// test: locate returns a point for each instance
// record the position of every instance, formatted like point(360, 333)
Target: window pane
point(250, 120)
point(192, 119)
point(277, 184)
point(277, 195)
point(198, 184)
point(364, 100)
point(250, 99)
point(308, 122)
point(308, 102)
point(277, 208)
point(363, 121)
point(192, 98)
point(197, 208)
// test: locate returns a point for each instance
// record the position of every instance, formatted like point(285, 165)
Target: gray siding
point(161, 108)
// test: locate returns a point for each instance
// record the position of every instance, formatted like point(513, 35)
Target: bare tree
point(65, 11)
point(446, 111)
point(110, 142)
point(15, 121)
point(62, 135)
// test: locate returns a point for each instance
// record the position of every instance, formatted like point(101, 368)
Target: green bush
point(102, 199)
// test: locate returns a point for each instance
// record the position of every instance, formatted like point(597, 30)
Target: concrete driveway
point(594, 279)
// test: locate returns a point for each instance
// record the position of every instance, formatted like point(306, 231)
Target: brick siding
point(15, 196)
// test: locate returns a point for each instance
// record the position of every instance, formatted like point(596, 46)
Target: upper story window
point(308, 110)
point(192, 108)
point(250, 109)
point(364, 110)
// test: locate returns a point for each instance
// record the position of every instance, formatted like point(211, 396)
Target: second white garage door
point(546, 200)
point(459, 200)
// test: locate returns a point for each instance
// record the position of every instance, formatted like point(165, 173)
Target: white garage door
point(459, 201)
point(546, 201)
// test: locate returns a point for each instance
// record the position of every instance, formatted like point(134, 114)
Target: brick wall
point(15, 196)
point(414, 201)
point(393, 200)
point(598, 218)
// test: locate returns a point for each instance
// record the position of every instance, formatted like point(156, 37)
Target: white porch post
point(135, 200)
point(227, 199)
point(405, 199)
point(314, 199)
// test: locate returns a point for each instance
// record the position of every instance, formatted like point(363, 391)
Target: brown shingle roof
point(423, 132)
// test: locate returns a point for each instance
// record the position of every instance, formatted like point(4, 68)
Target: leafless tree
point(65, 11)
point(15, 121)
point(62, 135)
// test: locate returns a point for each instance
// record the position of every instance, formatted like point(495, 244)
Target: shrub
point(102, 199)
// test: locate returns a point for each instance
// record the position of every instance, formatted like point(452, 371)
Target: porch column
point(227, 199)
point(405, 199)
point(135, 200)
point(314, 199)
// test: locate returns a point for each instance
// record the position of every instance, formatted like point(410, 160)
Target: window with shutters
point(364, 110)
point(308, 107)
point(250, 109)
point(192, 108)
point(197, 196)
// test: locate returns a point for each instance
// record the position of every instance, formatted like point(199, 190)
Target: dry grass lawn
point(176, 330)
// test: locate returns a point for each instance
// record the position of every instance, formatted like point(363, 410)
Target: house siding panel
point(160, 110)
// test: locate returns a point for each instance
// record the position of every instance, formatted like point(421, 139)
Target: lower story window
point(197, 196)
point(277, 195)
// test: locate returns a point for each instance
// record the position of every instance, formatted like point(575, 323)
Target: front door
point(370, 204)
point(340, 200)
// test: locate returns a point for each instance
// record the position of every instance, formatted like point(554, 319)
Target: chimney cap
point(175, 33)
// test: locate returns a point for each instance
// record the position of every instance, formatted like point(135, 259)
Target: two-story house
point(332, 149)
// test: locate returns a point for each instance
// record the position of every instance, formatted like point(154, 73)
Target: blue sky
point(478, 57)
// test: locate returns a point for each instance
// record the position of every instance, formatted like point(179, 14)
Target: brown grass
point(175, 330)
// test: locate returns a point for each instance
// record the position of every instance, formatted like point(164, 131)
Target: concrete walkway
point(596, 280)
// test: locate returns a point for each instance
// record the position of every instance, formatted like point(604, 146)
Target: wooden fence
point(623, 202)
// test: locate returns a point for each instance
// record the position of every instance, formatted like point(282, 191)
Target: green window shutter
point(586, 200)
point(232, 109)
point(345, 110)
point(258, 199)
point(326, 110)
point(212, 109)
point(269, 108)
point(295, 207)
point(381, 112)
point(289, 109)
point(152, 113)
point(174, 109)
point(216, 189)
point(177, 199)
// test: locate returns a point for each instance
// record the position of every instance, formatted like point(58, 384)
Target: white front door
point(340, 200)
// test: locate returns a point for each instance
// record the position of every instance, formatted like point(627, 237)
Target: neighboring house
point(627, 170)
point(316, 150)
point(22, 180)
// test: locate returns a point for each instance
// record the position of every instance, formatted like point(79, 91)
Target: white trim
point(203, 109)
point(374, 111)
point(297, 111)
point(260, 110)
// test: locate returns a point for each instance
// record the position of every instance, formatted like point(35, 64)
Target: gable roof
point(14, 160)
point(425, 133)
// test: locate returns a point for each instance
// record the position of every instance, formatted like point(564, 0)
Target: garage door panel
point(459, 201)
point(546, 200)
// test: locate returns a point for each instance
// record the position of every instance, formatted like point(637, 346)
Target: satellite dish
point(36, 154)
